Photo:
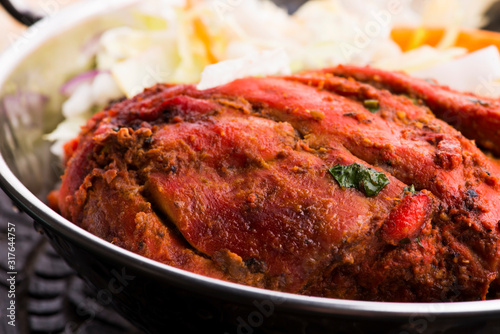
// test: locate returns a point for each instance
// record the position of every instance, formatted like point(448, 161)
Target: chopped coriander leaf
point(405, 241)
point(419, 243)
point(410, 189)
point(372, 105)
point(366, 179)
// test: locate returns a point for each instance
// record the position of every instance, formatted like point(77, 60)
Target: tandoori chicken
point(338, 183)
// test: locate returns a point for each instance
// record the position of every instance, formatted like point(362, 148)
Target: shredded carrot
point(201, 33)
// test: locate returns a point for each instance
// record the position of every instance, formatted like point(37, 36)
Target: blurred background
point(475, 14)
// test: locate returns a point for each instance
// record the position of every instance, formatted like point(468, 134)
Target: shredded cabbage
point(217, 41)
point(255, 64)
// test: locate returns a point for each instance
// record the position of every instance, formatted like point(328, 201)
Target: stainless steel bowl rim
point(71, 16)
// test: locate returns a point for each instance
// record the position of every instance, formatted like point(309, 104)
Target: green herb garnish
point(405, 241)
point(410, 189)
point(419, 243)
point(372, 105)
point(366, 179)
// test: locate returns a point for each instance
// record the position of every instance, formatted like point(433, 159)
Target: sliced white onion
point(105, 89)
point(475, 72)
point(80, 102)
point(275, 62)
point(418, 59)
point(64, 132)
point(71, 86)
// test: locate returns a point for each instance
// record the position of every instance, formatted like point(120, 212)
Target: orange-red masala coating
point(234, 183)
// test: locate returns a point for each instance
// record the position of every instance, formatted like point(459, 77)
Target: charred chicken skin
point(248, 182)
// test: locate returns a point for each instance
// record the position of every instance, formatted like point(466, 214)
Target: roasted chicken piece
point(478, 118)
point(313, 184)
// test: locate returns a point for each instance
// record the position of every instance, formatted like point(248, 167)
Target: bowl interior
point(32, 72)
point(40, 61)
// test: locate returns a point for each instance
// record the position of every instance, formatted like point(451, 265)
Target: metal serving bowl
point(154, 296)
